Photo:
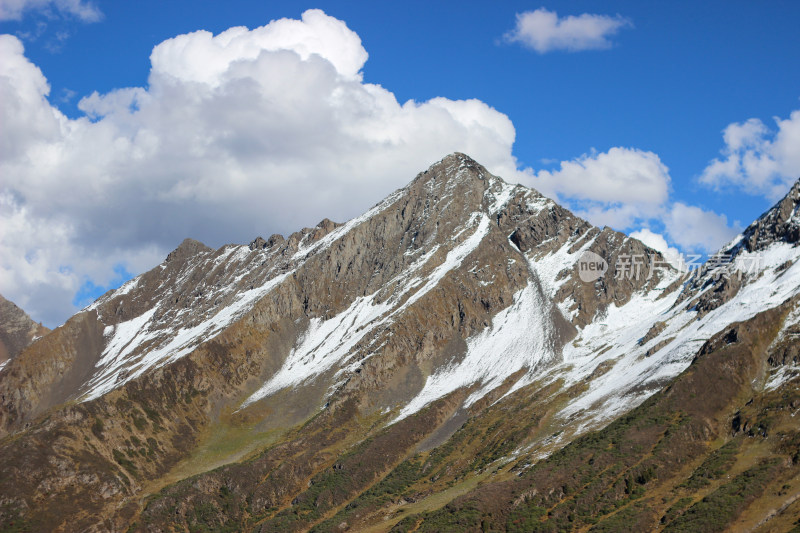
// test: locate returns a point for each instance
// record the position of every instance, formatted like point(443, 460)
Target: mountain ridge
point(17, 330)
point(455, 294)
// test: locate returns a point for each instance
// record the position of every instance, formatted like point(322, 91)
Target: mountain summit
point(291, 375)
point(780, 224)
point(17, 330)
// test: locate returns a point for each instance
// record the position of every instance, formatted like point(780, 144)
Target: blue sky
point(636, 112)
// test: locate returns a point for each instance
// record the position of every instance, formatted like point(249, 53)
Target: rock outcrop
point(17, 330)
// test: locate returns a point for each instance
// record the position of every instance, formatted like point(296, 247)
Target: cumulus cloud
point(625, 188)
point(544, 31)
point(611, 188)
point(756, 159)
point(244, 133)
point(620, 175)
point(80, 9)
point(695, 229)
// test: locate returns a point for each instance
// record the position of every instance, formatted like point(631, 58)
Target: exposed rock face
point(456, 294)
point(17, 330)
point(720, 279)
point(780, 224)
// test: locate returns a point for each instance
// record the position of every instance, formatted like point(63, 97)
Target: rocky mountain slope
point(17, 330)
point(352, 374)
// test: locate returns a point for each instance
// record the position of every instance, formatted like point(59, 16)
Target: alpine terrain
point(467, 355)
point(17, 330)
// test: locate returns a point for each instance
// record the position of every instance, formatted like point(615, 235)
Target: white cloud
point(205, 58)
point(756, 159)
point(244, 133)
point(626, 187)
point(657, 242)
point(620, 175)
point(544, 31)
point(617, 216)
point(15, 9)
point(694, 229)
point(612, 188)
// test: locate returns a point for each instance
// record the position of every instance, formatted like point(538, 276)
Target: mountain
point(17, 330)
point(466, 355)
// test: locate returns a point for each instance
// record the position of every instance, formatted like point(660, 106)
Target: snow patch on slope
point(324, 344)
point(143, 343)
point(548, 268)
point(454, 259)
point(521, 336)
point(498, 194)
point(615, 339)
point(779, 377)
point(327, 343)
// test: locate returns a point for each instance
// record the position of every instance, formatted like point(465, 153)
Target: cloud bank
point(544, 31)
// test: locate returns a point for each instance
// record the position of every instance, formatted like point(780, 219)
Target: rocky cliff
point(17, 330)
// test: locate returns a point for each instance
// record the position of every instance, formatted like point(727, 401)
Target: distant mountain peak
point(781, 223)
point(458, 158)
point(17, 330)
point(188, 248)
